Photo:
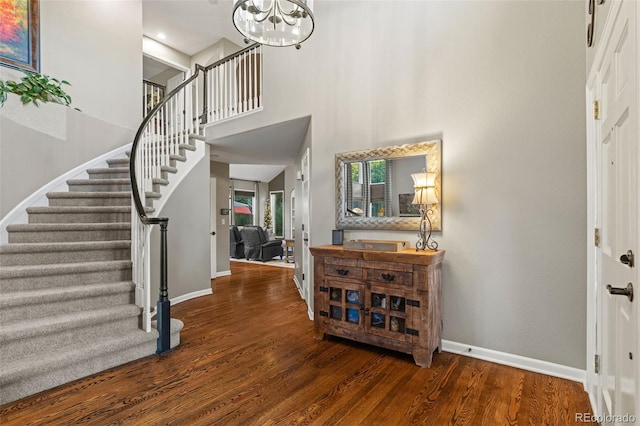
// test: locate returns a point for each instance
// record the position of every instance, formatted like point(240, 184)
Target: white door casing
point(306, 255)
point(613, 140)
point(212, 217)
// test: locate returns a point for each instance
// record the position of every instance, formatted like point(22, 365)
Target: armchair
point(236, 245)
point(257, 245)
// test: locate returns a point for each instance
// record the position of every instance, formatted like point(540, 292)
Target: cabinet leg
point(422, 357)
point(318, 335)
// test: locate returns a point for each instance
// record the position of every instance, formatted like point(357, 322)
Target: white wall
point(188, 235)
point(502, 84)
point(97, 47)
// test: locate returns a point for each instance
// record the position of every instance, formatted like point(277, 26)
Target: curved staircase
point(67, 300)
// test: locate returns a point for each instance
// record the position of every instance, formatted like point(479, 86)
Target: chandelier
point(274, 22)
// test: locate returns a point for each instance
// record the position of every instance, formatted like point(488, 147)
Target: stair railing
point(230, 87)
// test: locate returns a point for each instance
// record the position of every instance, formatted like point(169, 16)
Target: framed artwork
point(406, 208)
point(20, 34)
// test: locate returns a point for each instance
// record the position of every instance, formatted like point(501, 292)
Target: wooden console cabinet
point(387, 299)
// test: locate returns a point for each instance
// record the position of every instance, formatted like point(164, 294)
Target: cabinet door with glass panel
point(390, 312)
point(345, 303)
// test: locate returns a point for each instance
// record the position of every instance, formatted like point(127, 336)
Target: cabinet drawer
point(343, 268)
point(389, 277)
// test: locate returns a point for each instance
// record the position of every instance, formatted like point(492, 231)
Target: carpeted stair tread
point(118, 162)
point(65, 246)
point(54, 324)
point(16, 254)
point(89, 194)
point(48, 227)
point(79, 209)
point(109, 170)
point(35, 297)
point(160, 181)
point(118, 181)
point(61, 268)
point(76, 354)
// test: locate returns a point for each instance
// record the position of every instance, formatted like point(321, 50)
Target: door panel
point(617, 210)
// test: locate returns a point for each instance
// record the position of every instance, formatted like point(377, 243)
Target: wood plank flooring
point(248, 357)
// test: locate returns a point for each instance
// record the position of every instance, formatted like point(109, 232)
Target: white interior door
point(213, 216)
point(306, 255)
point(617, 211)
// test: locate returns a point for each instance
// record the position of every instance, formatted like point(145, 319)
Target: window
point(243, 202)
point(277, 213)
point(377, 180)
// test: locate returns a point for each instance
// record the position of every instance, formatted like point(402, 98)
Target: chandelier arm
point(268, 10)
point(284, 15)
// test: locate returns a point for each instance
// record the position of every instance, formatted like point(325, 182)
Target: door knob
point(213, 233)
point(628, 259)
point(627, 291)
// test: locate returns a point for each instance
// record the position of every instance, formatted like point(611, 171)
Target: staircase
point(74, 280)
point(67, 300)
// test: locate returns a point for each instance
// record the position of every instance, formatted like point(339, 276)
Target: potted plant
point(34, 88)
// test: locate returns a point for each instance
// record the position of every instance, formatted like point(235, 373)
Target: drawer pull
point(342, 272)
point(388, 277)
point(324, 289)
point(324, 314)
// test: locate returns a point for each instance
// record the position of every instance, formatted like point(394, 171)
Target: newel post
point(164, 305)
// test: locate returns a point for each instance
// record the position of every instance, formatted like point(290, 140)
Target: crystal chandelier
point(274, 22)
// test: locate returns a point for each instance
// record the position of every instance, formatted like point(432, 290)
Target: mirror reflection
point(382, 187)
point(374, 188)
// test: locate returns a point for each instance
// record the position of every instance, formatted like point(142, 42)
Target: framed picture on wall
point(20, 34)
point(405, 207)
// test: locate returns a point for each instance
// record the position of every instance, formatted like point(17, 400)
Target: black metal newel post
point(164, 306)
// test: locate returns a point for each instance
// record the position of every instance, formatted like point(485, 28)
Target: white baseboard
point(298, 286)
point(190, 296)
point(529, 364)
point(223, 274)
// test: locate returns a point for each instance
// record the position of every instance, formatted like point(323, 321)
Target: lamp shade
point(274, 22)
point(424, 185)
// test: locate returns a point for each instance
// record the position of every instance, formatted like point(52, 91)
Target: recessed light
point(162, 36)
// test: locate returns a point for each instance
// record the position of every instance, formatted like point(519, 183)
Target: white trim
point(223, 274)
point(310, 313)
point(298, 286)
point(18, 215)
point(529, 364)
point(192, 295)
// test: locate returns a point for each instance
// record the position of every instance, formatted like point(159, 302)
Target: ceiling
point(274, 147)
point(192, 25)
point(189, 25)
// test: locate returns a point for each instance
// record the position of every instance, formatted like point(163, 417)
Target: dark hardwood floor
point(248, 357)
